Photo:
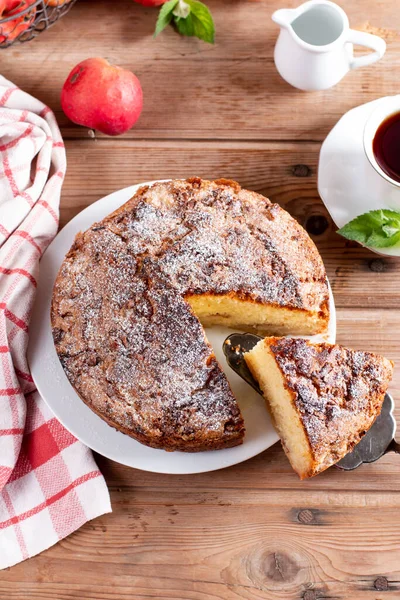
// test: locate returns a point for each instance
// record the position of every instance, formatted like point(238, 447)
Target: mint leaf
point(185, 26)
point(190, 17)
point(165, 16)
point(203, 23)
point(390, 230)
point(376, 240)
point(375, 229)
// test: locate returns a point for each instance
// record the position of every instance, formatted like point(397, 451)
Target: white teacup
point(350, 180)
point(385, 109)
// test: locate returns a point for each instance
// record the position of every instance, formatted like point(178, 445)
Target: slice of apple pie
point(322, 398)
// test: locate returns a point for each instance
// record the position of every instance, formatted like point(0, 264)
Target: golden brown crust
point(171, 444)
point(337, 392)
point(127, 339)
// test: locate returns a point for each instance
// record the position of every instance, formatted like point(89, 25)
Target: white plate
point(56, 390)
point(347, 183)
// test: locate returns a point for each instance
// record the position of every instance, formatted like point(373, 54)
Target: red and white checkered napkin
point(49, 482)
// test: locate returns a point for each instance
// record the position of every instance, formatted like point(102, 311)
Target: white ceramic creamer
point(314, 50)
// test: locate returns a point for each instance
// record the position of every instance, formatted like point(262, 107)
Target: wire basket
point(28, 18)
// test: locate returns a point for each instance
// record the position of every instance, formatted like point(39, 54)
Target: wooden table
point(253, 531)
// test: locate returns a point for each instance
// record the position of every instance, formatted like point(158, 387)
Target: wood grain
point(214, 545)
point(253, 531)
point(194, 90)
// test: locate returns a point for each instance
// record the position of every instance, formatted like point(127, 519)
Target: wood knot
point(279, 566)
point(377, 265)
point(301, 171)
point(274, 569)
point(310, 595)
point(381, 584)
point(306, 517)
point(317, 224)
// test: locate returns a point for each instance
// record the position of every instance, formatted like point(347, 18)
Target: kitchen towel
point(49, 482)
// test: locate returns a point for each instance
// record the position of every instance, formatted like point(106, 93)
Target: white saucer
point(347, 183)
point(56, 390)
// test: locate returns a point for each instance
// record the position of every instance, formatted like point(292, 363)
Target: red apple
point(102, 96)
point(56, 2)
point(151, 2)
point(10, 30)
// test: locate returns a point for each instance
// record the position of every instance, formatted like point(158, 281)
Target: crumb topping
point(126, 337)
point(337, 391)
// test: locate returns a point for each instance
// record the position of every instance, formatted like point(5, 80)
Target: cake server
point(376, 442)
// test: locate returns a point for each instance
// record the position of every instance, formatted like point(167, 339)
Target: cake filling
point(323, 398)
point(284, 415)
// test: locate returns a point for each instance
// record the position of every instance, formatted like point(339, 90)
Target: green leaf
point(165, 16)
point(190, 17)
point(203, 24)
point(185, 26)
point(390, 230)
point(375, 229)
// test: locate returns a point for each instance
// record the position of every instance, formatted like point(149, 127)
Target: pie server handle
point(376, 442)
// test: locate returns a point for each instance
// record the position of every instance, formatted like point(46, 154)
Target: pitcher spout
point(284, 16)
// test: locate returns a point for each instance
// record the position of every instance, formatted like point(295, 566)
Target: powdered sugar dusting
point(338, 392)
point(129, 342)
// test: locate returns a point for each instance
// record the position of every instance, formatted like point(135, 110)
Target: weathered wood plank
point(358, 277)
point(253, 531)
point(222, 546)
point(194, 90)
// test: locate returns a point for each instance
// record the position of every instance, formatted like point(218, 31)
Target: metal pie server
point(376, 442)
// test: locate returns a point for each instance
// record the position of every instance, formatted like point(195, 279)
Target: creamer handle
point(374, 42)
